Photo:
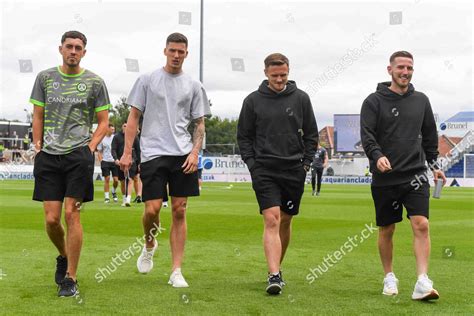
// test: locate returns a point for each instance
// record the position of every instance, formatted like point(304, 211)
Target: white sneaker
point(165, 204)
point(177, 279)
point(424, 289)
point(145, 261)
point(390, 284)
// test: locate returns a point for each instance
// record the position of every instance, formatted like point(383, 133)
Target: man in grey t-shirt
point(169, 101)
point(107, 164)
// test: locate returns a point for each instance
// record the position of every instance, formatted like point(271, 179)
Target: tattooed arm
point(190, 165)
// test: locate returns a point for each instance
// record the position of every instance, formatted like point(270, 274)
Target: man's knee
point(52, 220)
point(387, 231)
point(272, 218)
point(152, 208)
point(285, 220)
point(179, 209)
point(420, 224)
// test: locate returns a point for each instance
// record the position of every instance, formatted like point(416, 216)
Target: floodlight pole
point(201, 56)
point(201, 45)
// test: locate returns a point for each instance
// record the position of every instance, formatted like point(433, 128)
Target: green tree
point(221, 131)
point(119, 113)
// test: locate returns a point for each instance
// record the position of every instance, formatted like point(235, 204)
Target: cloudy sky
point(338, 50)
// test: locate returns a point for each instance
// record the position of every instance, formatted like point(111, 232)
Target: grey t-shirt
point(169, 103)
point(106, 148)
point(70, 102)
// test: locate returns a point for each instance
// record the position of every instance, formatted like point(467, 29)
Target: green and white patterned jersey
point(70, 103)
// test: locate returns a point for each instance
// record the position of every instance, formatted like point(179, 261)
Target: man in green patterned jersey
point(65, 99)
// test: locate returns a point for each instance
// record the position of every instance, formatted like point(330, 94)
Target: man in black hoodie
point(398, 133)
point(118, 145)
point(277, 136)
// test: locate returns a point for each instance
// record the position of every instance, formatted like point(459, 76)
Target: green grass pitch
point(224, 261)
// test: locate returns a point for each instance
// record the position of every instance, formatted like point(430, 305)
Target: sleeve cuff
point(250, 162)
point(36, 102)
point(433, 164)
point(103, 108)
point(376, 154)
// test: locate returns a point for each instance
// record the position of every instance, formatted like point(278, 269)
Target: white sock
point(106, 195)
point(422, 276)
point(390, 274)
point(113, 190)
point(129, 197)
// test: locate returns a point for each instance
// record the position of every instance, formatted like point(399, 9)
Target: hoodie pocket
point(283, 145)
point(404, 154)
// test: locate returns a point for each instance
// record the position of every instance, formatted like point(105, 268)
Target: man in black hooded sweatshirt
point(398, 133)
point(277, 136)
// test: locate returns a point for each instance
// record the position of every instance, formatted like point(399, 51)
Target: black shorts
point(132, 172)
point(390, 200)
point(158, 172)
point(60, 176)
point(108, 168)
point(199, 174)
point(283, 188)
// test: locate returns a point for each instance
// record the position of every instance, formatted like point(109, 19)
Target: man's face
point(277, 76)
point(111, 130)
point(401, 70)
point(175, 54)
point(72, 51)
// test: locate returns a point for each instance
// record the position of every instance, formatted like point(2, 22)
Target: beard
point(398, 81)
point(70, 63)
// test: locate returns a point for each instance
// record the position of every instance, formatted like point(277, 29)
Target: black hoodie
point(401, 128)
point(118, 145)
point(277, 130)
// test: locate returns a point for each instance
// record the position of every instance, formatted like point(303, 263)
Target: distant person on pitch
point(118, 145)
point(137, 182)
point(320, 161)
point(169, 101)
point(398, 133)
point(66, 98)
point(107, 164)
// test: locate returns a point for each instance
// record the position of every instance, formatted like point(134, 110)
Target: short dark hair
point(401, 53)
point(177, 38)
point(276, 59)
point(74, 34)
point(111, 125)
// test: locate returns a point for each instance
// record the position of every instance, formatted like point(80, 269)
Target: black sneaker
point(61, 269)
point(138, 199)
point(274, 284)
point(114, 196)
point(68, 287)
point(283, 283)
